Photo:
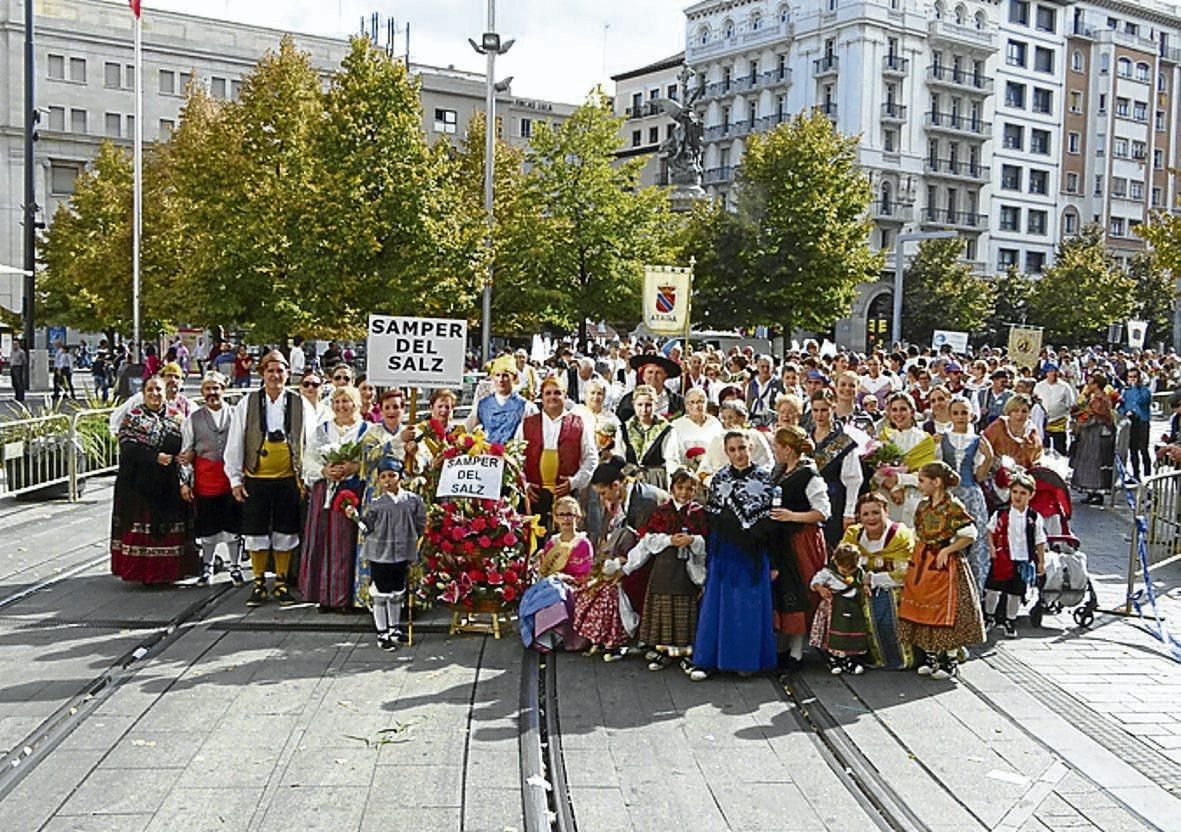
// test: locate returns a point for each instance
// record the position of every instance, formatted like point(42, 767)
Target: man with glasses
point(560, 454)
point(204, 435)
point(269, 430)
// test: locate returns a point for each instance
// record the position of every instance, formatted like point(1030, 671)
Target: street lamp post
point(903, 239)
point(490, 45)
point(30, 208)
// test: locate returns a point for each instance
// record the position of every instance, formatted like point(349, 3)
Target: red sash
point(209, 478)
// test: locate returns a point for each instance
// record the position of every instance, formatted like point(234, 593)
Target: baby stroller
point(1066, 583)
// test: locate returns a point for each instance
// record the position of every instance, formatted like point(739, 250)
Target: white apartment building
point(645, 126)
point(85, 91)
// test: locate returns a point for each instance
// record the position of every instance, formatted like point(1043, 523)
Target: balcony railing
point(829, 109)
point(892, 211)
point(959, 219)
point(978, 39)
point(893, 112)
point(741, 38)
point(714, 176)
point(745, 83)
point(775, 77)
point(895, 65)
point(959, 170)
point(827, 65)
point(771, 121)
point(951, 122)
point(959, 78)
point(648, 108)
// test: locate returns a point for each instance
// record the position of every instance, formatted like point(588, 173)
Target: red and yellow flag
point(134, 6)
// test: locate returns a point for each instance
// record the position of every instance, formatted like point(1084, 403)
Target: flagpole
point(137, 198)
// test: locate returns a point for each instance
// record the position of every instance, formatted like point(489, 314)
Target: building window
point(217, 88)
point(77, 121)
point(1162, 82)
point(61, 179)
point(1139, 150)
point(1102, 103)
point(1035, 262)
point(1036, 223)
point(526, 128)
point(784, 13)
point(130, 126)
point(1156, 197)
point(1123, 68)
point(57, 67)
point(1123, 107)
point(1076, 61)
point(1047, 19)
point(1014, 95)
point(671, 92)
point(637, 138)
point(756, 22)
point(1043, 59)
point(1159, 122)
point(1039, 141)
point(653, 93)
point(235, 90)
point(112, 75)
point(1039, 181)
point(1136, 189)
point(1072, 183)
point(1104, 63)
point(1140, 111)
point(1143, 72)
point(446, 121)
point(889, 140)
point(1099, 184)
point(57, 119)
point(1014, 137)
point(1043, 100)
point(1019, 12)
point(129, 76)
point(167, 125)
point(1076, 101)
point(1015, 53)
point(185, 78)
point(1010, 218)
point(728, 29)
point(1010, 177)
point(653, 135)
point(1117, 226)
point(1072, 142)
point(1006, 257)
point(1070, 222)
point(1158, 158)
point(703, 35)
point(1119, 147)
point(113, 123)
point(167, 82)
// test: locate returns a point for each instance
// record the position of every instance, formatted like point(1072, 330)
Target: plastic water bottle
point(776, 497)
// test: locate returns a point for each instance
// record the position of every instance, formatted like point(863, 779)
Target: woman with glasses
point(546, 613)
point(310, 386)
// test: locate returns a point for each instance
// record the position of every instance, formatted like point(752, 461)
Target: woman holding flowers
point(331, 468)
point(911, 448)
point(697, 428)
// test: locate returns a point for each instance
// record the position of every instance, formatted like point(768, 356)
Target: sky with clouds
point(562, 46)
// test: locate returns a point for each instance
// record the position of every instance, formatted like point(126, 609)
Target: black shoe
point(789, 663)
point(387, 642)
point(258, 595)
point(236, 576)
point(399, 635)
point(1010, 628)
point(989, 621)
point(283, 595)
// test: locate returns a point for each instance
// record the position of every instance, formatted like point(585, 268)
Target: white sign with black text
point(415, 352)
point(477, 477)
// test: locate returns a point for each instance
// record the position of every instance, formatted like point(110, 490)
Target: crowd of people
point(720, 510)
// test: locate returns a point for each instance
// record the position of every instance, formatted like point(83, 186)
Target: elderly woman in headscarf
point(150, 534)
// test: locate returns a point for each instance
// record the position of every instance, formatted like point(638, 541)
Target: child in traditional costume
point(839, 628)
point(546, 613)
point(602, 613)
point(393, 523)
point(674, 538)
point(940, 610)
point(1017, 546)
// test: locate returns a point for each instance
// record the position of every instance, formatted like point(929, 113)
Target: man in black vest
point(269, 429)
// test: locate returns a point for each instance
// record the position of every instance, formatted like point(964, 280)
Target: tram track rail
point(545, 793)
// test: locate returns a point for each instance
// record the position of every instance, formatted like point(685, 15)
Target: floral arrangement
point(475, 549)
point(885, 458)
point(337, 453)
point(346, 503)
point(693, 457)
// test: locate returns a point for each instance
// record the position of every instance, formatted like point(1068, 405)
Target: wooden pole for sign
point(411, 461)
point(689, 309)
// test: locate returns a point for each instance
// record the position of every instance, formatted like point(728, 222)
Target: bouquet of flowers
point(693, 457)
point(475, 549)
point(346, 503)
point(885, 458)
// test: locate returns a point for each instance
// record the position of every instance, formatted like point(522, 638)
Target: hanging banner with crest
point(1025, 345)
point(666, 299)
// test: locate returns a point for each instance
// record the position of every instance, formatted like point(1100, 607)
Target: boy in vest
point(1017, 545)
point(394, 522)
point(204, 483)
point(269, 429)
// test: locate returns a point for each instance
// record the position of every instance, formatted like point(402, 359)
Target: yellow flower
point(537, 533)
point(479, 443)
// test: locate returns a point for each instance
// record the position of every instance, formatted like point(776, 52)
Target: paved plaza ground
point(289, 719)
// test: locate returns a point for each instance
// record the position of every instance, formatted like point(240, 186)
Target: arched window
point(981, 21)
point(1123, 68)
point(938, 10)
point(1143, 72)
point(756, 21)
point(961, 14)
point(703, 35)
point(728, 29)
point(784, 13)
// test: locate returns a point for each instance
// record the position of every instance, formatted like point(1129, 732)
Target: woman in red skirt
point(800, 505)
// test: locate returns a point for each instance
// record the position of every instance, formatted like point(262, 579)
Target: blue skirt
point(734, 627)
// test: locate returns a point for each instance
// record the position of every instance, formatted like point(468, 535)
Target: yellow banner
point(666, 299)
point(1025, 343)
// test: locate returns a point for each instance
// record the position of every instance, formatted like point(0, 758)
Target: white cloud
point(559, 53)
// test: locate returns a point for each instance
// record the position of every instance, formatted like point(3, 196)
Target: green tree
point(1083, 292)
point(1155, 296)
point(942, 292)
point(1163, 233)
point(802, 229)
point(588, 227)
point(1010, 291)
point(715, 238)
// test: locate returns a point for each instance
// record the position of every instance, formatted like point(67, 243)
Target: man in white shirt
point(560, 454)
point(1057, 397)
point(298, 360)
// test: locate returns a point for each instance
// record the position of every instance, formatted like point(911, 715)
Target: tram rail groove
point(26, 755)
point(545, 793)
point(855, 771)
point(53, 580)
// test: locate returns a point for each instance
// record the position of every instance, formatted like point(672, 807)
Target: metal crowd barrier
point(1158, 501)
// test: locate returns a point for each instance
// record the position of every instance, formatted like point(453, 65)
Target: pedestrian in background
point(18, 364)
point(243, 364)
point(63, 371)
